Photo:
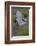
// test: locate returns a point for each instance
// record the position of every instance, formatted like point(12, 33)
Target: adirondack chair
point(19, 18)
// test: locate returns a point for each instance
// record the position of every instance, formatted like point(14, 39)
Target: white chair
point(19, 19)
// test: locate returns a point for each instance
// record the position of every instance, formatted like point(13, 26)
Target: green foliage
point(25, 15)
point(24, 12)
point(14, 18)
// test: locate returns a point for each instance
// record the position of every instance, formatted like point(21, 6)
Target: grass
point(24, 31)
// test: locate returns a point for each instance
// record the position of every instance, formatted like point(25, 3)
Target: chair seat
point(21, 22)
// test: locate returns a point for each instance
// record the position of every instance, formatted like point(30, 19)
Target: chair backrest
point(18, 15)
